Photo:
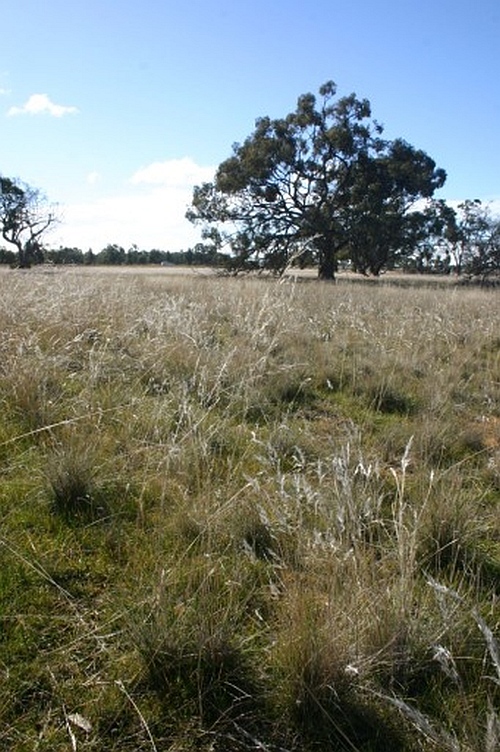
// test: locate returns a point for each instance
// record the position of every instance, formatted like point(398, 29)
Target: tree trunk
point(327, 265)
point(23, 258)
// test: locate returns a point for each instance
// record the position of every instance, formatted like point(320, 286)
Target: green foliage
point(316, 184)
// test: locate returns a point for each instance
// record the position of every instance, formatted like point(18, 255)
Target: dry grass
point(239, 514)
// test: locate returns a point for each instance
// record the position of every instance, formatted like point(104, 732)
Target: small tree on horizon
point(24, 217)
point(472, 238)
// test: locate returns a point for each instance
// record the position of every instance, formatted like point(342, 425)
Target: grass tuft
point(71, 474)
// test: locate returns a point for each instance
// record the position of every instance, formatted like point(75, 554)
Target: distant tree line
point(114, 255)
point(25, 216)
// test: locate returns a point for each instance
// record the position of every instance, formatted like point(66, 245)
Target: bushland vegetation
point(240, 515)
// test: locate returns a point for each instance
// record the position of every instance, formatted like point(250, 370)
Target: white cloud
point(150, 212)
point(174, 173)
point(39, 104)
point(93, 178)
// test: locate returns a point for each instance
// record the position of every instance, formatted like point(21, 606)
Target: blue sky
point(114, 109)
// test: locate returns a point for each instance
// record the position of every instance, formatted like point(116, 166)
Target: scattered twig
point(122, 688)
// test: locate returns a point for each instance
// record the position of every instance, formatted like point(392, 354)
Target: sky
point(115, 109)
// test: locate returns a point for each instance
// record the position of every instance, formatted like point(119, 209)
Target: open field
point(241, 515)
point(294, 274)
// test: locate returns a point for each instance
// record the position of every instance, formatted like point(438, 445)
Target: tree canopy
point(320, 184)
point(24, 217)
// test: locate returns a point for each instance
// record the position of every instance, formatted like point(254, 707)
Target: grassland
point(243, 515)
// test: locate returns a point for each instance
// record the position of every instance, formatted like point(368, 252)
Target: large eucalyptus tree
point(320, 183)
